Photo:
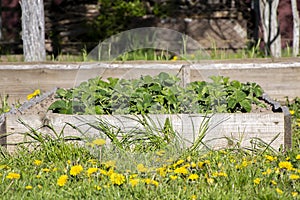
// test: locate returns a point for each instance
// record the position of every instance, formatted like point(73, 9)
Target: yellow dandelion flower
point(193, 177)
point(285, 165)
point(149, 181)
point(75, 170)
point(40, 187)
point(110, 163)
point(287, 158)
point(189, 158)
point(99, 142)
point(141, 168)
point(193, 165)
point(92, 170)
point(170, 170)
point(294, 194)
point(38, 176)
point(133, 176)
point(181, 170)
point(162, 171)
point(292, 112)
point(273, 182)
point(34, 94)
point(174, 58)
point(298, 157)
point(117, 179)
point(294, 177)
point(37, 162)
point(216, 174)
point(62, 180)
point(134, 182)
point(54, 169)
point(110, 172)
point(279, 191)
point(173, 177)
point(12, 175)
point(103, 172)
point(28, 187)
point(256, 181)
point(270, 158)
point(45, 170)
point(210, 181)
point(207, 162)
point(178, 163)
point(277, 170)
point(201, 164)
point(245, 163)
point(193, 197)
point(69, 162)
point(267, 172)
point(97, 187)
point(154, 182)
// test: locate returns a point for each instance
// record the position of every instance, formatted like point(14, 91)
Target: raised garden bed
point(224, 130)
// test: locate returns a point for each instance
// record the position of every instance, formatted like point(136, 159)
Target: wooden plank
point(278, 79)
point(224, 130)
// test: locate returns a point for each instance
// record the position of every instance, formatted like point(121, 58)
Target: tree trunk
point(272, 39)
point(33, 30)
point(296, 34)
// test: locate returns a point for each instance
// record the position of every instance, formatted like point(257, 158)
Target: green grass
point(212, 53)
point(225, 174)
point(96, 170)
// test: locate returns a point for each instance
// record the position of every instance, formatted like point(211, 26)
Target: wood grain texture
point(224, 130)
point(278, 79)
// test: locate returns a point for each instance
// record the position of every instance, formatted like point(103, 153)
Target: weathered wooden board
point(279, 79)
point(224, 130)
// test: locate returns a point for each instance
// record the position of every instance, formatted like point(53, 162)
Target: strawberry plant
point(159, 94)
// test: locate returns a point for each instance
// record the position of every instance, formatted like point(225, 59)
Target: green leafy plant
point(4, 104)
point(159, 94)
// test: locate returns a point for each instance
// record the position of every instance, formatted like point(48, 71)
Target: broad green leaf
point(57, 105)
point(246, 105)
point(240, 95)
point(236, 84)
point(231, 102)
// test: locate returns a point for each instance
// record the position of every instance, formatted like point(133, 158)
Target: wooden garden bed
point(224, 130)
point(278, 79)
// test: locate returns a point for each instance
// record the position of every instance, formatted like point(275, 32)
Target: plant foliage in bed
point(161, 94)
